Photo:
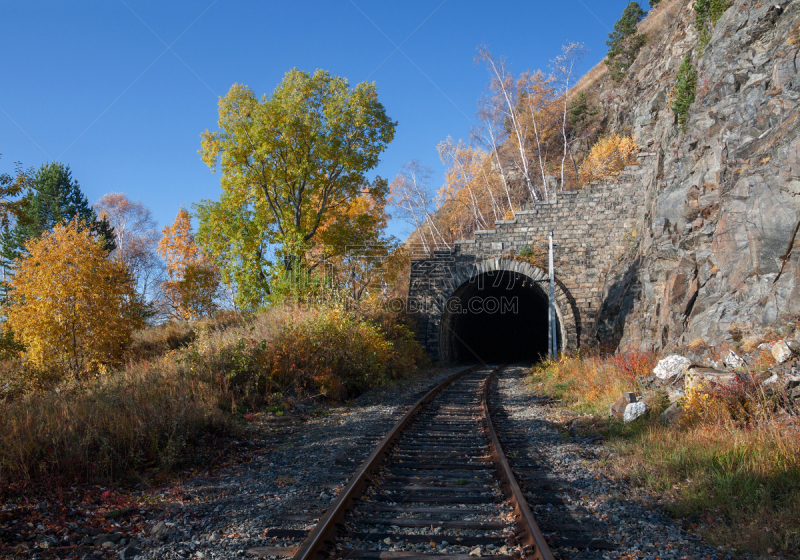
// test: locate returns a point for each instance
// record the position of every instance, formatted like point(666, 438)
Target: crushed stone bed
point(286, 489)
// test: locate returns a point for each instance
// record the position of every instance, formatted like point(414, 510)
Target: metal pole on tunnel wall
point(553, 339)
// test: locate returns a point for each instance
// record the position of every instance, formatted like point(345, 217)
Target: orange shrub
point(71, 306)
point(329, 352)
point(608, 156)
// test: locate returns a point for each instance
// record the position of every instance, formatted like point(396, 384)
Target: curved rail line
point(321, 542)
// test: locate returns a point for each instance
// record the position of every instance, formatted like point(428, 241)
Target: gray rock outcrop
point(719, 248)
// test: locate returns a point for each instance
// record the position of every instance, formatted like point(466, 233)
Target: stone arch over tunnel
point(496, 311)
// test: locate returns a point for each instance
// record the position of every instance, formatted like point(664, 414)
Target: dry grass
point(697, 345)
point(156, 341)
point(103, 429)
point(733, 462)
point(660, 17)
point(592, 383)
point(186, 383)
point(590, 79)
point(741, 478)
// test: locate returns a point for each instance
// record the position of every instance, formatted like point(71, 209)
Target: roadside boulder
point(772, 380)
point(675, 395)
point(129, 553)
point(699, 377)
point(778, 382)
point(159, 530)
point(671, 367)
point(617, 409)
point(781, 351)
point(633, 411)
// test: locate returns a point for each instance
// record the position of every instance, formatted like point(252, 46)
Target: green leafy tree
point(291, 164)
point(624, 43)
point(11, 211)
point(235, 233)
point(54, 197)
point(683, 94)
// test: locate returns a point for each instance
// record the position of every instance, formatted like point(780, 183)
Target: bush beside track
point(185, 384)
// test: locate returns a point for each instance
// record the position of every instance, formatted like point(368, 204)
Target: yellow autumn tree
point(72, 307)
point(608, 156)
point(193, 281)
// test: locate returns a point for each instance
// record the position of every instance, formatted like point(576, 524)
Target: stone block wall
point(592, 230)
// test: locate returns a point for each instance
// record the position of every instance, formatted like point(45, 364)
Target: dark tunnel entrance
point(496, 317)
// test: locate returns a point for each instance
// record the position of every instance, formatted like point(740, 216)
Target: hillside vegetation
point(186, 383)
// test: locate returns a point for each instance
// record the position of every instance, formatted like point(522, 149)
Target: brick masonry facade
point(592, 230)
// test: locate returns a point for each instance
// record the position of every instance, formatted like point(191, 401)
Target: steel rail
point(528, 532)
point(321, 537)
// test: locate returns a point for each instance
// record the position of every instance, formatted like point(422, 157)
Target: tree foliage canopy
point(11, 186)
point(193, 281)
point(684, 92)
point(136, 239)
point(624, 43)
point(54, 198)
point(292, 165)
point(707, 12)
point(608, 156)
point(234, 231)
point(72, 306)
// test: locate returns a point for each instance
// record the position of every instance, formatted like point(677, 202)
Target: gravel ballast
point(230, 514)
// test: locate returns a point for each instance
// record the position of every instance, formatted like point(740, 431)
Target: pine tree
point(683, 94)
point(623, 43)
point(54, 198)
point(707, 12)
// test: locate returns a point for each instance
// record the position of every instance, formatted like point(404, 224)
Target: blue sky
point(121, 90)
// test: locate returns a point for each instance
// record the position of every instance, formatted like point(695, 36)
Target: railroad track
point(440, 486)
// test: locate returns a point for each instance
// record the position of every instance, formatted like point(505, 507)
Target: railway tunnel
point(499, 316)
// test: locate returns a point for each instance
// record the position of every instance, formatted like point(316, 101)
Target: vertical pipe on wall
point(551, 335)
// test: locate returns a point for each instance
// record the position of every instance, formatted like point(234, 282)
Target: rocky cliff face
point(719, 247)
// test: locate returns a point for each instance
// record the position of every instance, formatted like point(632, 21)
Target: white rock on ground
point(633, 411)
point(781, 351)
point(733, 361)
point(671, 367)
point(770, 380)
